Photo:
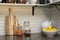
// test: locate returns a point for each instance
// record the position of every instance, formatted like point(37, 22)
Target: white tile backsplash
point(55, 15)
point(25, 13)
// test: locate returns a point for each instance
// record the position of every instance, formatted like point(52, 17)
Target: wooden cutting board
point(15, 26)
point(11, 24)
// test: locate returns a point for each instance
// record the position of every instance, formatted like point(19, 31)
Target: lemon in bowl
point(49, 31)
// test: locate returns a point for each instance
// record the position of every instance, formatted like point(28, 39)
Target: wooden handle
point(10, 11)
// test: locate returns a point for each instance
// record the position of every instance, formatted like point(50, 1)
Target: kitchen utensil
point(11, 23)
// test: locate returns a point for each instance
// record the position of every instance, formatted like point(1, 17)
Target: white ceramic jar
point(51, 1)
point(31, 1)
point(0, 1)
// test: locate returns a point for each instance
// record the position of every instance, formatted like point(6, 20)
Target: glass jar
point(26, 23)
point(19, 31)
point(27, 29)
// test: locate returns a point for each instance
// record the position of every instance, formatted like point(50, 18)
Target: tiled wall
point(55, 16)
point(25, 14)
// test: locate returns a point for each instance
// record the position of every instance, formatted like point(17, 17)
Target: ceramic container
point(50, 34)
point(0, 1)
point(31, 2)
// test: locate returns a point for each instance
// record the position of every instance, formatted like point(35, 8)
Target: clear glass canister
point(27, 28)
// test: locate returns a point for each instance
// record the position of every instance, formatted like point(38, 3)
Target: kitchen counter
point(35, 36)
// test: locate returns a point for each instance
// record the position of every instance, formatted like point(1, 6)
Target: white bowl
point(49, 34)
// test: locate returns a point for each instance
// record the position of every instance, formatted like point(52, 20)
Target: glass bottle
point(27, 29)
point(19, 31)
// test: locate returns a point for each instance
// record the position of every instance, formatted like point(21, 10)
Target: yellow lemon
point(47, 31)
point(43, 29)
point(54, 28)
point(49, 26)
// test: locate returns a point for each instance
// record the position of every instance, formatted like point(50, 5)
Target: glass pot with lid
point(27, 28)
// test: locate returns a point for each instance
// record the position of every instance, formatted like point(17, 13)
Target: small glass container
point(19, 31)
point(26, 23)
point(27, 29)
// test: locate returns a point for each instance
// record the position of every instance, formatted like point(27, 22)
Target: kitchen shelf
point(13, 4)
point(10, 5)
point(56, 2)
point(19, 5)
